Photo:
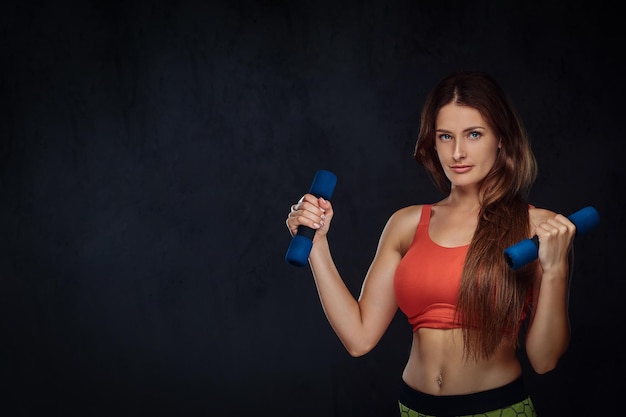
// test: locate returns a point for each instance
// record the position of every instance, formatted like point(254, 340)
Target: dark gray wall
point(149, 155)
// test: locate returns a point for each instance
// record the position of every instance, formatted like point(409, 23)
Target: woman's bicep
point(377, 298)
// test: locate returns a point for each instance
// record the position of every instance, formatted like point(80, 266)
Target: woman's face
point(465, 143)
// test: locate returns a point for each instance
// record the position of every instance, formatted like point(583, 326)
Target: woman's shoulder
point(406, 219)
point(410, 214)
point(402, 225)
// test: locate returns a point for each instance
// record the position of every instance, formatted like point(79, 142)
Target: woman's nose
point(459, 150)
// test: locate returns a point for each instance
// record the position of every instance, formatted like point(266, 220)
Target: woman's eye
point(474, 135)
point(445, 136)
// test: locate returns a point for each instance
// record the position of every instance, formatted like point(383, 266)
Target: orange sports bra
point(428, 278)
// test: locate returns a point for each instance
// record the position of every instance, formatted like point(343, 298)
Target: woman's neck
point(462, 200)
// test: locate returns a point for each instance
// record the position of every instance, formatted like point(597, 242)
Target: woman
point(443, 265)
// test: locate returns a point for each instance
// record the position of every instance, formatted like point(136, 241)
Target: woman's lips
point(460, 169)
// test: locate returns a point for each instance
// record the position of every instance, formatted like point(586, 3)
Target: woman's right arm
point(359, 323)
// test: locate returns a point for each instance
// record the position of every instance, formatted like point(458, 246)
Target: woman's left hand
point(555, 238)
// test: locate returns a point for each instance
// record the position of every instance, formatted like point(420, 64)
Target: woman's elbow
point(543, 365)
point(357, 350)
point(544, 362)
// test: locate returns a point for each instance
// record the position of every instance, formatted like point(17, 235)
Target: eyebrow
point(469, 129)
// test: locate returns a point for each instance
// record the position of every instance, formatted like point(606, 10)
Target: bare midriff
point(437, 366)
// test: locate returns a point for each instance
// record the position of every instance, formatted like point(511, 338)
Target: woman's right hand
point(312, 212)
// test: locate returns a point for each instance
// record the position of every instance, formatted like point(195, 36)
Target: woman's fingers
point(309, 211)
point(555, 237)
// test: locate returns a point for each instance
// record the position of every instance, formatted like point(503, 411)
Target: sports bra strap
point(425, 216)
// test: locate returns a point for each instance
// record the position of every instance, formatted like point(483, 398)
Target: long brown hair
point(492, 296)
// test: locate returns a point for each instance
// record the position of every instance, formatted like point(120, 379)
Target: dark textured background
point(150, 152)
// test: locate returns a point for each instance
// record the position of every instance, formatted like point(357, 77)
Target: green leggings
point(510, 400)
point(522, 409)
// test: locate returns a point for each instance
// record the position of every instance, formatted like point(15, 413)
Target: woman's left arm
point(548, 333)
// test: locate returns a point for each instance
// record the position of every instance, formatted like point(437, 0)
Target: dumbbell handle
point(527, 250)
point(300, 246)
